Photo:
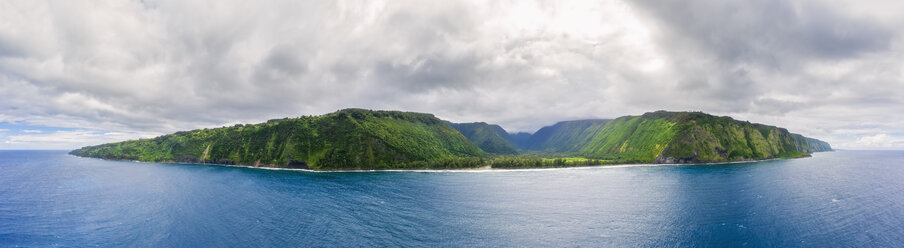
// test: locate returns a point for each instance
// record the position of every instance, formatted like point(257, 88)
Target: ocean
point(834, 199)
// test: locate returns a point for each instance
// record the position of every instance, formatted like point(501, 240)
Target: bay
point(842, 198)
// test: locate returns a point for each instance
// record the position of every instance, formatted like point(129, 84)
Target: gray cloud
point(773, 32)
point(139, 68)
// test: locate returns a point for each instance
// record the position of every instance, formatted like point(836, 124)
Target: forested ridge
point(368, 139)
point(346, 139)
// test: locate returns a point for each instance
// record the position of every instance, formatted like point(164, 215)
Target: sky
point(77, 73)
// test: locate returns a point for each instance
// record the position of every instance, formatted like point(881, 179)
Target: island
point(359, 139)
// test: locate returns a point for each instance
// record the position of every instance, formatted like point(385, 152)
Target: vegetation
point(376, 140)
point(706, 138)
point(815, 145)
point(631, 139)
point(537, 162)
point(490, 138)
point(566, 136)
point(347, 139)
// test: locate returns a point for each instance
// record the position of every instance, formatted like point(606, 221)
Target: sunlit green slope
point(693, 137)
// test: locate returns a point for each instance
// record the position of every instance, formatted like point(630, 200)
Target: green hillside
point(347, 139)
point(693, 137)
point(566, 136)
point(366, 139)
point(490, 138)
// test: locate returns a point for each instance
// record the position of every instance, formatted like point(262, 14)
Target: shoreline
point(487, 168)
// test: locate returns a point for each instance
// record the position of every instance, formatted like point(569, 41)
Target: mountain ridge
point(372, 139)
point(346, 139)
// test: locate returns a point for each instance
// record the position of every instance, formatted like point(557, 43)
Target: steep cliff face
point(674, 137)
point(693, 137)
point(490, 138)
point(706, 138)
point(347, 139)
point(816, 145)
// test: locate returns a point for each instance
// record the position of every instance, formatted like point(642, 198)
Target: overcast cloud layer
point(101, 71)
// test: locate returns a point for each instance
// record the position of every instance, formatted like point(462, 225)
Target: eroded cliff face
point(818, 146)
point(672, 160)
point(708, 139)
point(688, 137)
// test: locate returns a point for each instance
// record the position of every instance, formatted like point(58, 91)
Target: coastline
point(487, 168)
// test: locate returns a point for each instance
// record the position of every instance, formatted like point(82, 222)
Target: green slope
point(490, 138)
point(347, 139)
point(629, 139)
point(692, 137)
point(566, 136)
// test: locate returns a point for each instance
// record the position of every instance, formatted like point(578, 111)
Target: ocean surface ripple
point(842, 198)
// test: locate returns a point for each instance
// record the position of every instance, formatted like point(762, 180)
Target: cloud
point(31, 131)
point(811, 66)
point(881, 141)
point(65, 139)
point(155, 67)
point(772, 32)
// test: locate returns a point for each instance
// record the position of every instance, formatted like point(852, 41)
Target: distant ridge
point(490, 138)
point(565, 136)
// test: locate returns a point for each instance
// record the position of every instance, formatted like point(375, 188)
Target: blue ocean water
point(843, 198)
